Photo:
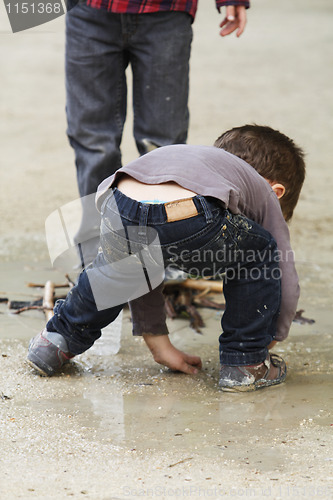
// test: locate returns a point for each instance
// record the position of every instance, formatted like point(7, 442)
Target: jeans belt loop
point(106, 197)
point(142, 229)
point(207, 210)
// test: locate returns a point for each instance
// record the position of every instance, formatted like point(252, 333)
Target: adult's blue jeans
point(211, 243)
point(99, 47)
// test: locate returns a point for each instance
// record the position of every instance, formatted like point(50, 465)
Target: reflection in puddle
point(211, 422)
point(282, 407)
point(170, 413)
point(110, 410)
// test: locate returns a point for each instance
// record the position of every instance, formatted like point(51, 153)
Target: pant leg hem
point(242, 358)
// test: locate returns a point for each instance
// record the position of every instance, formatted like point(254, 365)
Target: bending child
point(207, 210)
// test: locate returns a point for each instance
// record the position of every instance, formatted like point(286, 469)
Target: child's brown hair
point(274, 155)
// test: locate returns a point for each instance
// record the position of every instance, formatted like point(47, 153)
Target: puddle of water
point(168, 415)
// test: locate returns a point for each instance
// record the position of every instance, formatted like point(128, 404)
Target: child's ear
point(278, 189)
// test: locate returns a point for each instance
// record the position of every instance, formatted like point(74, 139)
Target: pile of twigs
point(44, 303)
point(182, 299)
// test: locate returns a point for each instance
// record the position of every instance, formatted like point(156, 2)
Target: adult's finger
point(230, 13)
point(242, 20)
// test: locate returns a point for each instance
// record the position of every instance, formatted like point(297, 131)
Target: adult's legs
point(160, 48)
point(96, 107)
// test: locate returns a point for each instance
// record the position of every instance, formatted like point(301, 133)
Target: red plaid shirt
point(149, 6)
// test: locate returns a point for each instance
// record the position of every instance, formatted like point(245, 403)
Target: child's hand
point(179, 361)
point(166, 354)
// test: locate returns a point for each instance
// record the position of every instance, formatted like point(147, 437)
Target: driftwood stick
point(204, 302)
point(42, 285)
point(18, 294)
point(202, 294)
point(27, 308)
point(212, 286)
point(18, 304)
point(169, 308)
point(48, 299)
point(70, 282)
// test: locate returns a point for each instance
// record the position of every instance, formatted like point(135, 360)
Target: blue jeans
point(208, 244)
point(99, 47)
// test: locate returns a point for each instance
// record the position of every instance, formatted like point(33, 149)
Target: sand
point(123, 426)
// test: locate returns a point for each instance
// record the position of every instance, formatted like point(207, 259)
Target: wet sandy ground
point(123, 426)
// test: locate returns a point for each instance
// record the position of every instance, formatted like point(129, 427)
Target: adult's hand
point(235, 19)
